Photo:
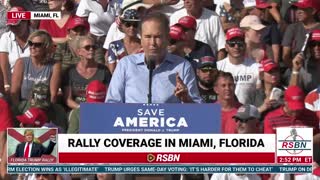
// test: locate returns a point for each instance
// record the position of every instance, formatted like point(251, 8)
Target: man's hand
point(53, 138)
point(181, 90)
point(267, 104)
point(297, 62)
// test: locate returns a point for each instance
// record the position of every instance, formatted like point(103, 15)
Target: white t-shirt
point(170, 9)
point(235, 177)
point(246, 76)
point(114, 34)
point(98, 19)
point(209, 28)
point(9, 45)
point(218, 4)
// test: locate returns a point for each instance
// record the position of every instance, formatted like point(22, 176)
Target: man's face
point(236, 47)
point(315, 49)
point(28, 136)
point(247, 126)
point(154, 39)
point(189, 34)
point(78, 31)
point(225, 88)
point(206, 75)
point(303, 14)
point(291, 112)
point(254, 35)
point(192, 5)
point(20, 28)
point(175, 47)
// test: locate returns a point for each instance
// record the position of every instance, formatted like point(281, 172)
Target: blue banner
point(160, 169)
point(150, 118)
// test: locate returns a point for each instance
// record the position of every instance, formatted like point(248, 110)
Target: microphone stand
point(151, 65)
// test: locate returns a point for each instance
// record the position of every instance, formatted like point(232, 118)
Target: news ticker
point(33, 15)
point(160, 169)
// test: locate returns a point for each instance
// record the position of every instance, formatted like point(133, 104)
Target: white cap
point(253, 22)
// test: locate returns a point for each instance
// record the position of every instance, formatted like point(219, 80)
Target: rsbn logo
point(294, 144)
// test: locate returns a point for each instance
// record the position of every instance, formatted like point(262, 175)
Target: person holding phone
point(270, 95)
point(305, 71)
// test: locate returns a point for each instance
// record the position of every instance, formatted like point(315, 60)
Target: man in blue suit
point(29, 148)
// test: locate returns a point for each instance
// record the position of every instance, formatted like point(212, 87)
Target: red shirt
point(228, 124)
point(278, 118)
point(53, 29)
point(6, 117)
point(316, 171)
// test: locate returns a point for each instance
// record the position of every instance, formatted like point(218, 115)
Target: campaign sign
point(150, 118)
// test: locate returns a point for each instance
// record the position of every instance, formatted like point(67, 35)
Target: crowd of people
point(259, 60)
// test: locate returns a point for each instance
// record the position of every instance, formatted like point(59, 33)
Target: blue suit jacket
point(36, 151)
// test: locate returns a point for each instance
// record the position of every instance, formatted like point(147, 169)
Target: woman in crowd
point(100, 14)
point(13, 45)
point(82, 73)
point(58, 28)
point(264, 99)
point(253, 28)
point(66, 52)
point(38, 67)
point(130, 44)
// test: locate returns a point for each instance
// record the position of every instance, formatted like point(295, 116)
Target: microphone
point(294, 135)
point(151, 64)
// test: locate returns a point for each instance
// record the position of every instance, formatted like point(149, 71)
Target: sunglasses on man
point(243, 120)
point(234, 43)
point(206, 69)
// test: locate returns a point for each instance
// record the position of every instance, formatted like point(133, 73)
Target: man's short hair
point(28, 130)
point(225, 75)
point(158, 17)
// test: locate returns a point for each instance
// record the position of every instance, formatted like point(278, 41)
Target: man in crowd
point(224, 86)
point(177, 40)
point(294, 35)
point(305, 71)
point(292, 114)
point(209, 29)
point(247, 119)
point(206, 74)
point(173, 79)
point(245, 71)
point(193, 49)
